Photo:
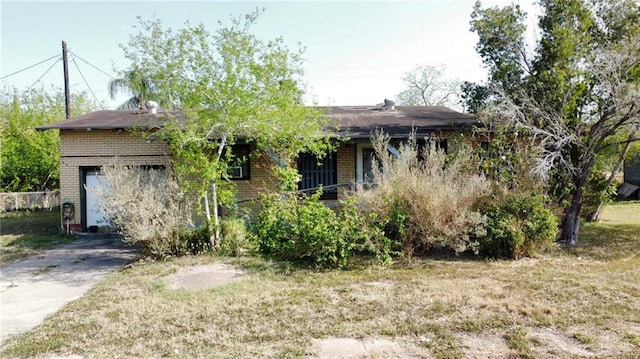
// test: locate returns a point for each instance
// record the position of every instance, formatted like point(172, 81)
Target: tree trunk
point(571, 221)
point(215, 236)
point(216, 221)
point(206, 207)
point(595, 216)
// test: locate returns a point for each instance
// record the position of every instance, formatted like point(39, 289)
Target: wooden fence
point(16, 201)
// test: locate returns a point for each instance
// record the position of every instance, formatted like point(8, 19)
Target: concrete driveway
point(35, 287)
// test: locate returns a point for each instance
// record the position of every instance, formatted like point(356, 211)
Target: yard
point(25, 233)
point(578, 303)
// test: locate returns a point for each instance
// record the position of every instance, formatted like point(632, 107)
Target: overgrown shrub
point(195, 240)
point(518, 225)
point(147, 205)
point(424, 198)
point(234, 236)
point(303, 229)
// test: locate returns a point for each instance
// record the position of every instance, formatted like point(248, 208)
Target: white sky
point(356, 52)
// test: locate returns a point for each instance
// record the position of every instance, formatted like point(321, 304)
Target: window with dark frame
point(443, 145)
point(239, 165)
point(317, 172)
point(368, 159)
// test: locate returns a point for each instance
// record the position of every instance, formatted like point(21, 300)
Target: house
point(93, 140)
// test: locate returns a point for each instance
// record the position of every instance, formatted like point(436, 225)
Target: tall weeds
point(425, 197)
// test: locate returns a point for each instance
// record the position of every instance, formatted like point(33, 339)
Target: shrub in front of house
point(518, 225)
point(148, 207)
point(194, 240)
point(425, 199)
point(235, 236)
point(300, 228)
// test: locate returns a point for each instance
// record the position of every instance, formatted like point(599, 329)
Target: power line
point(362, 67)
point(86, 83)
point(350, 77)
point(88, 63)
point(27, 68)
point(40, 78)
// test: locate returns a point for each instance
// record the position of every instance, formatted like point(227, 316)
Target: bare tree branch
point(427, 86)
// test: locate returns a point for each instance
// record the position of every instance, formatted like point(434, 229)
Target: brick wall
point(263, 181)
point(80, 148)
point(346, 167)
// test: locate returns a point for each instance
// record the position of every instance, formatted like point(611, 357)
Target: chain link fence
point(16, 201)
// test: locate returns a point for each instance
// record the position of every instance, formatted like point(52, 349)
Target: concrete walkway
point(38, 286)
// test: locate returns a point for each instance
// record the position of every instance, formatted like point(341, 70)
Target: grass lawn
point(569, 304)
point(24, 233)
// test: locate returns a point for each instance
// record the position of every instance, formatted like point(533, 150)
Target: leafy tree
point(501, 44)
point(426, 86)
point(576, 94)
point(233, 87)
point(28, 158)
point(137, 84)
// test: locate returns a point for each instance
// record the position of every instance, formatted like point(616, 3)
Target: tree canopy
point(576, 91)
point(233, 86)
point(135, 83)
point(28, 158)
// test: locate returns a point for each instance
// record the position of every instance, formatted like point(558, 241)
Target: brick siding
point(80, 148)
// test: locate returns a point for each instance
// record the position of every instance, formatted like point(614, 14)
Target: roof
point(354, 121)
point(114, 120)
point(360, 121)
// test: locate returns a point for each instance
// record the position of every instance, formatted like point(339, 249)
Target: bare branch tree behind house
point(575, 99)
point(572, 148)
point(427, 86)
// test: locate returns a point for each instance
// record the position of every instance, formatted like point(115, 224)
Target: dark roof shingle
point(354, 121)
point(114, 120)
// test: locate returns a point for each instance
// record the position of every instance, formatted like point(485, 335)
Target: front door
point(93, 216)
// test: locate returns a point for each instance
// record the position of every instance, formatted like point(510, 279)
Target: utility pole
point(65, 65)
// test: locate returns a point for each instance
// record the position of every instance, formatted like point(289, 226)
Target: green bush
point(234, 236)
point(517, 226)
point(303, 229)
point(195, 241)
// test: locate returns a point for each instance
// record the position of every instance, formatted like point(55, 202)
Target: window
point(365, 155)
point(239, 164)
point(318, 172)
point(443, 145)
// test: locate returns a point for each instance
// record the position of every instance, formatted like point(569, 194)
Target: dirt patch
point(204, 276)
point(483, 346)
point(343, 348)
point(601, 341)
point(558, 342)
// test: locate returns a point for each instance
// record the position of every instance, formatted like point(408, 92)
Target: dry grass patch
point(621, 213)
point(585, 302)
point(26, 233)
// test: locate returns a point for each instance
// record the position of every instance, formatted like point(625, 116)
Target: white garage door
point(94, 215)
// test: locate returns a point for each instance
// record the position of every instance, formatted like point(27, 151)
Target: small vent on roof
point(389, 105)
point(152, 107)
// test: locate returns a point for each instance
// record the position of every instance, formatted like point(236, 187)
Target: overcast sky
point(356, 52)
